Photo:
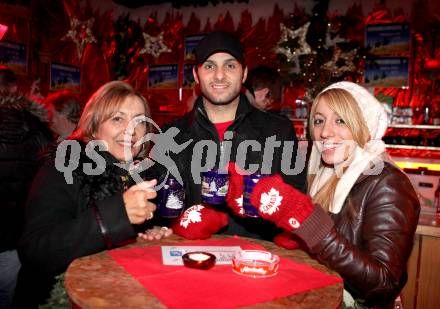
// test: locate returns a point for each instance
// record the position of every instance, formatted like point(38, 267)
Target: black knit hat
point(219, 42)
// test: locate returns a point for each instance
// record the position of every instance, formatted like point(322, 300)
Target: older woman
point(96, 204)
point(362, 212)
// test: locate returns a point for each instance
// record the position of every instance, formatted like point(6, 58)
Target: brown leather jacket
point(369, 242)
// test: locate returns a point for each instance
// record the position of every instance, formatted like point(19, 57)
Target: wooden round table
point(97, 281)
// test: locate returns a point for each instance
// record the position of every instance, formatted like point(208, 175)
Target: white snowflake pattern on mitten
point(191, 215)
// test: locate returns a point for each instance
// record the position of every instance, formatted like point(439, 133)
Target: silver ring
point(164, 228)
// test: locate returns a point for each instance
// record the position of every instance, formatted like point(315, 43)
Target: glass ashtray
point(255, 263)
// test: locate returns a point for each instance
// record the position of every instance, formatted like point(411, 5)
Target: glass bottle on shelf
point(436, 112)
point(437, 199)
point(427, 114)
point(301, 110)
point(417, 115)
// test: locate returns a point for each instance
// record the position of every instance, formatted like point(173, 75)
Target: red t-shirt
point(221, 128)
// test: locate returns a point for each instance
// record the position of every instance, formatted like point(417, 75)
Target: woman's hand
point(156, 233)
point(137, 204)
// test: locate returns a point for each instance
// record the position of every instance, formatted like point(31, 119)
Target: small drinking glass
point(214, 187)
point(171, 199)
point(249, 183)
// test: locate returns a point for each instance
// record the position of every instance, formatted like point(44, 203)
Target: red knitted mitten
point(285, 240)
point(199, 222)
point(234, 197)
point(280, 203)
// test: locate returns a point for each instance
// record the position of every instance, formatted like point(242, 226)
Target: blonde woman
point(84, 199)
point(361, 213)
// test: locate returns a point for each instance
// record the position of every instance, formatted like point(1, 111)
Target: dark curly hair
point(65, 102)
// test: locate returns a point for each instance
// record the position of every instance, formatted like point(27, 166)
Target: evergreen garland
point(58, 296)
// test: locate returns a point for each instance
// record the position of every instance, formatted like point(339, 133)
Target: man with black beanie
point(223, 115)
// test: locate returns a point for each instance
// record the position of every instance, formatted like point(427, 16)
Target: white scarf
point(368, 160)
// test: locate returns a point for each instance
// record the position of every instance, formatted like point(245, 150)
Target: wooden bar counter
point(423, 287)
point(97, 281)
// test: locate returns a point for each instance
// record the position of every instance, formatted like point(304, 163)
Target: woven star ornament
point(341, 62)
point(80, 33)
point(288, 35)
point(332, 40)
point(154, 45)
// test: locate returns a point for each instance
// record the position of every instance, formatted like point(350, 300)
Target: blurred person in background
point(23, 134)
point(64, 109)
point(264, 88)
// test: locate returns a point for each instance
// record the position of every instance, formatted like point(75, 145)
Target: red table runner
point(219, 287)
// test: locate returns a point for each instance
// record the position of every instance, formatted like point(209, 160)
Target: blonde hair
point(102, 105)
point(345, 105)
